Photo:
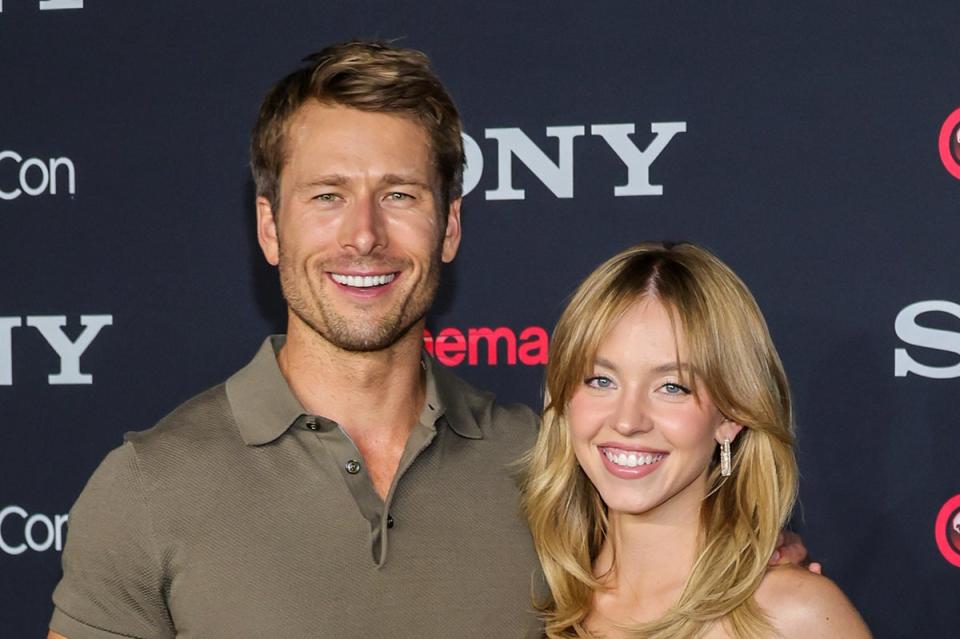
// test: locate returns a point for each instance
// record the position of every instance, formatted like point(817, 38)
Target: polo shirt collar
point(448, 395)
point(264, 407)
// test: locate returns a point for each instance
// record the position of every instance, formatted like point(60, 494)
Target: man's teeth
point(363, 281)
point(631, 460)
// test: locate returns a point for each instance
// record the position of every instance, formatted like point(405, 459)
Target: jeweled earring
point(725, 466)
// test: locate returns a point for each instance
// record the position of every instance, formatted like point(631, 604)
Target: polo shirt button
point(389, 521)
point(352, 467)
point(312, 424)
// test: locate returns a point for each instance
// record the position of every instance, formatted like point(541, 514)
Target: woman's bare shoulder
point(803, 604)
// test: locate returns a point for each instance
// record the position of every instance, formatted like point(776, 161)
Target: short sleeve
point(113, 579)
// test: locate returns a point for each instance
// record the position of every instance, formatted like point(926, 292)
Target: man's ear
point(267, 231)
point(451, 238)
point(728, 429)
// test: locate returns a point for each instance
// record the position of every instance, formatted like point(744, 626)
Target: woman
point(664, 468)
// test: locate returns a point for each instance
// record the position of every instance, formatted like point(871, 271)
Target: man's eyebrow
point(395, 179)
point(390, 179)
point(334, 179)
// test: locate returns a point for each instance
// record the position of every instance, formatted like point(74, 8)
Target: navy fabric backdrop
point(803, 145)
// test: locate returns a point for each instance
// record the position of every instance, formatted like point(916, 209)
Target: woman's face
point(643, 437)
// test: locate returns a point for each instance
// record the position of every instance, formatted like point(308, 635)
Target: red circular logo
point(950, 144)
point(947, 530)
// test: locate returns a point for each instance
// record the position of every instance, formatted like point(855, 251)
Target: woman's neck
point(645, 562)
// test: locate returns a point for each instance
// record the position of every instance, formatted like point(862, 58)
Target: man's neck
point(376, 397)
point(381, 390)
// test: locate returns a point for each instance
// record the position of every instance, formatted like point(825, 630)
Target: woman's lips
point(629, 463)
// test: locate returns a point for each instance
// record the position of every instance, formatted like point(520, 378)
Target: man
point(342, 483)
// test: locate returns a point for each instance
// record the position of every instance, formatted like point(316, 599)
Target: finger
point(792, 553)
point(788, 538)
point(815, 568)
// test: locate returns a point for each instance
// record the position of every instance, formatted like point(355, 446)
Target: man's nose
point(363, 227)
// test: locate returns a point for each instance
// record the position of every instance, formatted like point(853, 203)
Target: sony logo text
point(54, 5)
point(911, 332)
point(558, 176)
point(51, 328)
point(35, 176)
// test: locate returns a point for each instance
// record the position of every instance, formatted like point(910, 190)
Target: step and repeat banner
point(815, 148)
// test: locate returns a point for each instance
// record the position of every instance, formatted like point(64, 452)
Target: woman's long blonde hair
point(737, 365)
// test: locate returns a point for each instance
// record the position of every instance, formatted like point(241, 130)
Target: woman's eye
point(671, 388)
point(599, 381)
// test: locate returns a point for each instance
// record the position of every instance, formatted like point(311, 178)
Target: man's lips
point(364, 285)
point(363, 280)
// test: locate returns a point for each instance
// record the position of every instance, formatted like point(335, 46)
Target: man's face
point(357, 237)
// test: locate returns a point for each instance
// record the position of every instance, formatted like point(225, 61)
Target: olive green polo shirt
point(238, 515)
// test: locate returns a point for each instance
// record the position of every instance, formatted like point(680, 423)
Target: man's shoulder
point(192, 421)
point(495, 419)
point(202, 426)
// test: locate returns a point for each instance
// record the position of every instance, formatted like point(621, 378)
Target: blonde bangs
point(594, 308)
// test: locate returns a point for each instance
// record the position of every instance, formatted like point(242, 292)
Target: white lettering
point(55, 163)
point(11, 510)
point(47, 5)
point(16, 157)
point(39, 546)
point(51, 327)
point(7, 324)
point(912, 333)
point(42, 178)
point(35, 539)
point(474, 168)
point(617, 137)
point(59, 521)
point(556, 177)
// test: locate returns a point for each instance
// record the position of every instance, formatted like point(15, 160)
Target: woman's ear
point(728, 429)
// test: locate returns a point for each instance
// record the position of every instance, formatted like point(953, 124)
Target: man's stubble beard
point(360, 333)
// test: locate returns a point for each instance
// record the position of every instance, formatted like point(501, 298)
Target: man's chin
point(374, 338)
point(360, 332)
point(370, 345)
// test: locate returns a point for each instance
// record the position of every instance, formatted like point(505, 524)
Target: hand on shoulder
point(802, 604)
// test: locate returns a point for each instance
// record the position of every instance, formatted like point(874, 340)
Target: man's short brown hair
point(370, 76)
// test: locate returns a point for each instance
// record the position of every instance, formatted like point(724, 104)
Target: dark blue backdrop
point(809, 160)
